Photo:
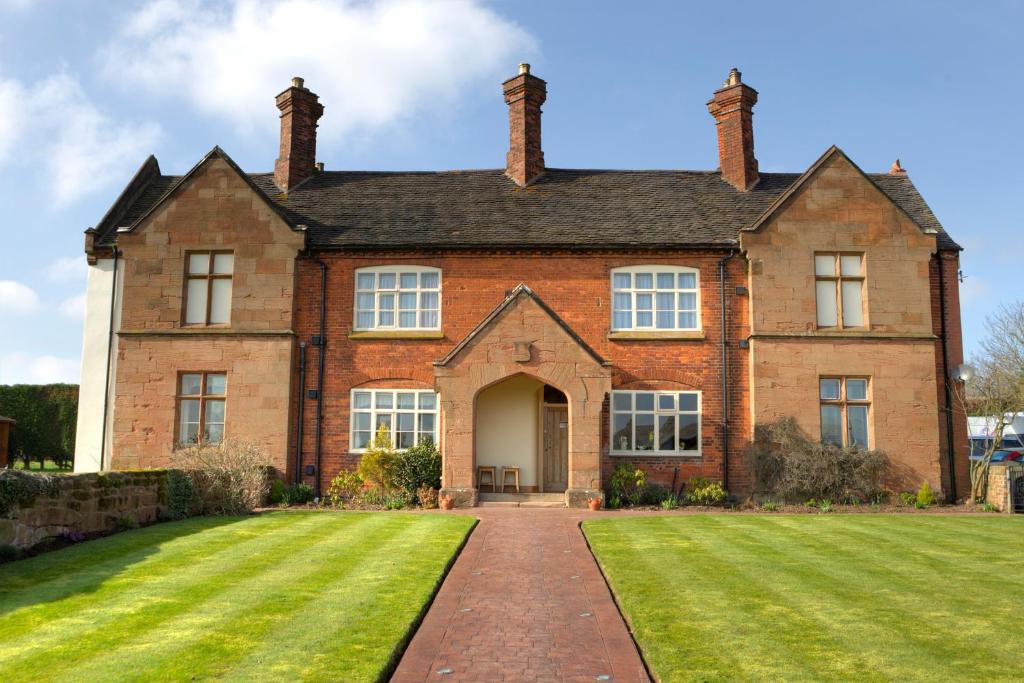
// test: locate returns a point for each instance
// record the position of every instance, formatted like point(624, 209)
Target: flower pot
point(446, 502)
point(594, 504)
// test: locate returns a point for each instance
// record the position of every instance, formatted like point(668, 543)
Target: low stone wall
point(999, 476)
point(76, 503)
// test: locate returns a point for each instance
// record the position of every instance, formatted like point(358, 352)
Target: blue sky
point(88, 90)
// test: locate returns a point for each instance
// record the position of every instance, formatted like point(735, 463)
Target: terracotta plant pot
point(594, 504)
point(446, 502)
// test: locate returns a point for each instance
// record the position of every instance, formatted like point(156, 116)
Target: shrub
point(613, 503)
point(297, 494)
point(925, 497)
point(344, 487)
point(46, 416)
point(396, 500)
point(276, 492)
point(825, 506)
point(670, 502)
point(785, 462)
point(989, 507)
point(769, 506)
point(704, 492)
point(655, 494)
point(181, 494)
point(427, 496)
point(377, 466)
point(626, 484)
point(907, 498)
point(9, 553)
point(126, 523)
point(230, 477)
point(417, 467)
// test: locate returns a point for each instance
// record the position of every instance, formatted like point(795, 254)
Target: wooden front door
point(556, 448)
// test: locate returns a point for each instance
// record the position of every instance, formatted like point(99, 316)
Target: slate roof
point(565, 208)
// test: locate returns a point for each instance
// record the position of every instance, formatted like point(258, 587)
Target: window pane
point(429, 280)
point(407, 281)
point(407, 301)
point(666, 401)
point(622, 401)
point(428, 401)
point(666, 320)
point(428, 300)
point(827, 312)
point(364, 280)
point(853, 314)
point(385, 280)
point(360, 439)
point(620, 280)
point(386, 315)
point(361, 422)
point(189, 410)
point(195, 311)
point(191, 385)
point(666, 281)
point(622, 432)
point(361, 399)
point(428, 319)
point(220, 306)
point(407, 319)
point(404, 439)
point(189, 432)
point(850, 265)
point(364, 301)
point(688, 402)
point(406, 422)
point(829, 389)
point(364, 320)
point(831, 425)
point(856, 389)
point(689, 429)
point(406, 401)
point(645, 431)
point(645, 401)
point(644, 302)
point(215, 384)
point(427, 424)
point(644, 280)
point(223, 264)
point(666, 310)
point(214, 411)
point(384, 421)
point(666, 432)
point(688, 301)
point(198, 264)
point(687, 280)
point(385, 399)
point(825, 265)
point(622, 317)
point(857, 424)
point(644, 319)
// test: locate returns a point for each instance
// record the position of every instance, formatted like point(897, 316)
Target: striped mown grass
point(819, 597)
point(280, 596)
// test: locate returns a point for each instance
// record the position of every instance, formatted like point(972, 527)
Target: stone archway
point(522, 336)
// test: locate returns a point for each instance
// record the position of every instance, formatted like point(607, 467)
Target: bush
point(907, 498)
point(276, 492)
point(704, 492)
point(46, 415)
point(785, 462)
point(769, 506)
point(229, 478)
point(670, 502)
point(925, 497)
point(417, 467)
point(655, 494)
point(344, 487)
point(627, 484)
point(396, 500)
point(181, 494)
point(377, 466)
point(825, 506)
point(427, 496)
point(297, 494)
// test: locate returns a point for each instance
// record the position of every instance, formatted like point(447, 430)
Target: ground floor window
point(410, 416)
point(665, 422)
point(201, 398)
point(844, 411)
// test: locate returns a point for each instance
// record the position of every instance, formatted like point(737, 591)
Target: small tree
point(995, 388)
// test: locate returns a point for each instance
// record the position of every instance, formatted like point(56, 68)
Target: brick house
point(559, 320)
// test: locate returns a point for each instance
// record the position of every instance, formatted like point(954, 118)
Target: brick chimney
point(300, 110)
point(524, 94)
point(732, 106)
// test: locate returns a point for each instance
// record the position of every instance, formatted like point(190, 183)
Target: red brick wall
point(577, 287)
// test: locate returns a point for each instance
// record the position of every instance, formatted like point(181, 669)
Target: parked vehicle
point(980, 433)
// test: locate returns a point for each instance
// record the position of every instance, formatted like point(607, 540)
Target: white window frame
point(393, 412)
point(676, 290)
point(377, 292)
point(613, 451)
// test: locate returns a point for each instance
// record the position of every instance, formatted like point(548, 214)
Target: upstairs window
point(655, 298)
point(201, 407)
point(839, 288)
point(208, 287)
point(844, 411)
point(398, 298)
point(663, 422)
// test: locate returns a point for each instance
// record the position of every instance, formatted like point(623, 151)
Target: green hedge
point(46, 416)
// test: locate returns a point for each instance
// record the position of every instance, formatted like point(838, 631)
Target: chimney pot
point(897, 169)
point(732, 106)
point(524, 95)
point(300, 111)
point(297, 82)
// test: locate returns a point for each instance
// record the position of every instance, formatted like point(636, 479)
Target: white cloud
point(68, 269)
point(82, 148)
point(21, 368)
point(73, 307)
point(372, 63)
point(17, 298)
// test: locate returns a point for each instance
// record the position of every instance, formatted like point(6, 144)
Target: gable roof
point(520, 291)
point(564, 208)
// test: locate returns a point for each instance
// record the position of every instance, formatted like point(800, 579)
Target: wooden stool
point(492, 471)
point(507, 470)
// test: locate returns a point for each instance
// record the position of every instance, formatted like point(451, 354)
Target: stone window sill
point(397, 334)
point(654, 454)
point(651, 335)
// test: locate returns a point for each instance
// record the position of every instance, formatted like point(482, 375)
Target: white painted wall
point(507, 417)
point(91, 431)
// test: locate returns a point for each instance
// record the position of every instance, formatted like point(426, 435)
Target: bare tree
point(995, 389)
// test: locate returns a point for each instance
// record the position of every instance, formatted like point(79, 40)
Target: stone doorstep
point(525, 500)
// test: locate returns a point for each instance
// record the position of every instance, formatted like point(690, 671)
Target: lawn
point(819, 597)
point(280, 596)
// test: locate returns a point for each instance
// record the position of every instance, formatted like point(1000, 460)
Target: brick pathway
point(525, 601)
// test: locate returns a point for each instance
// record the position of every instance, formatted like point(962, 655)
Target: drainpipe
point(725, 372)
point(320, 368)
point(110, 349)
point(302, 412)
point(950, 446)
